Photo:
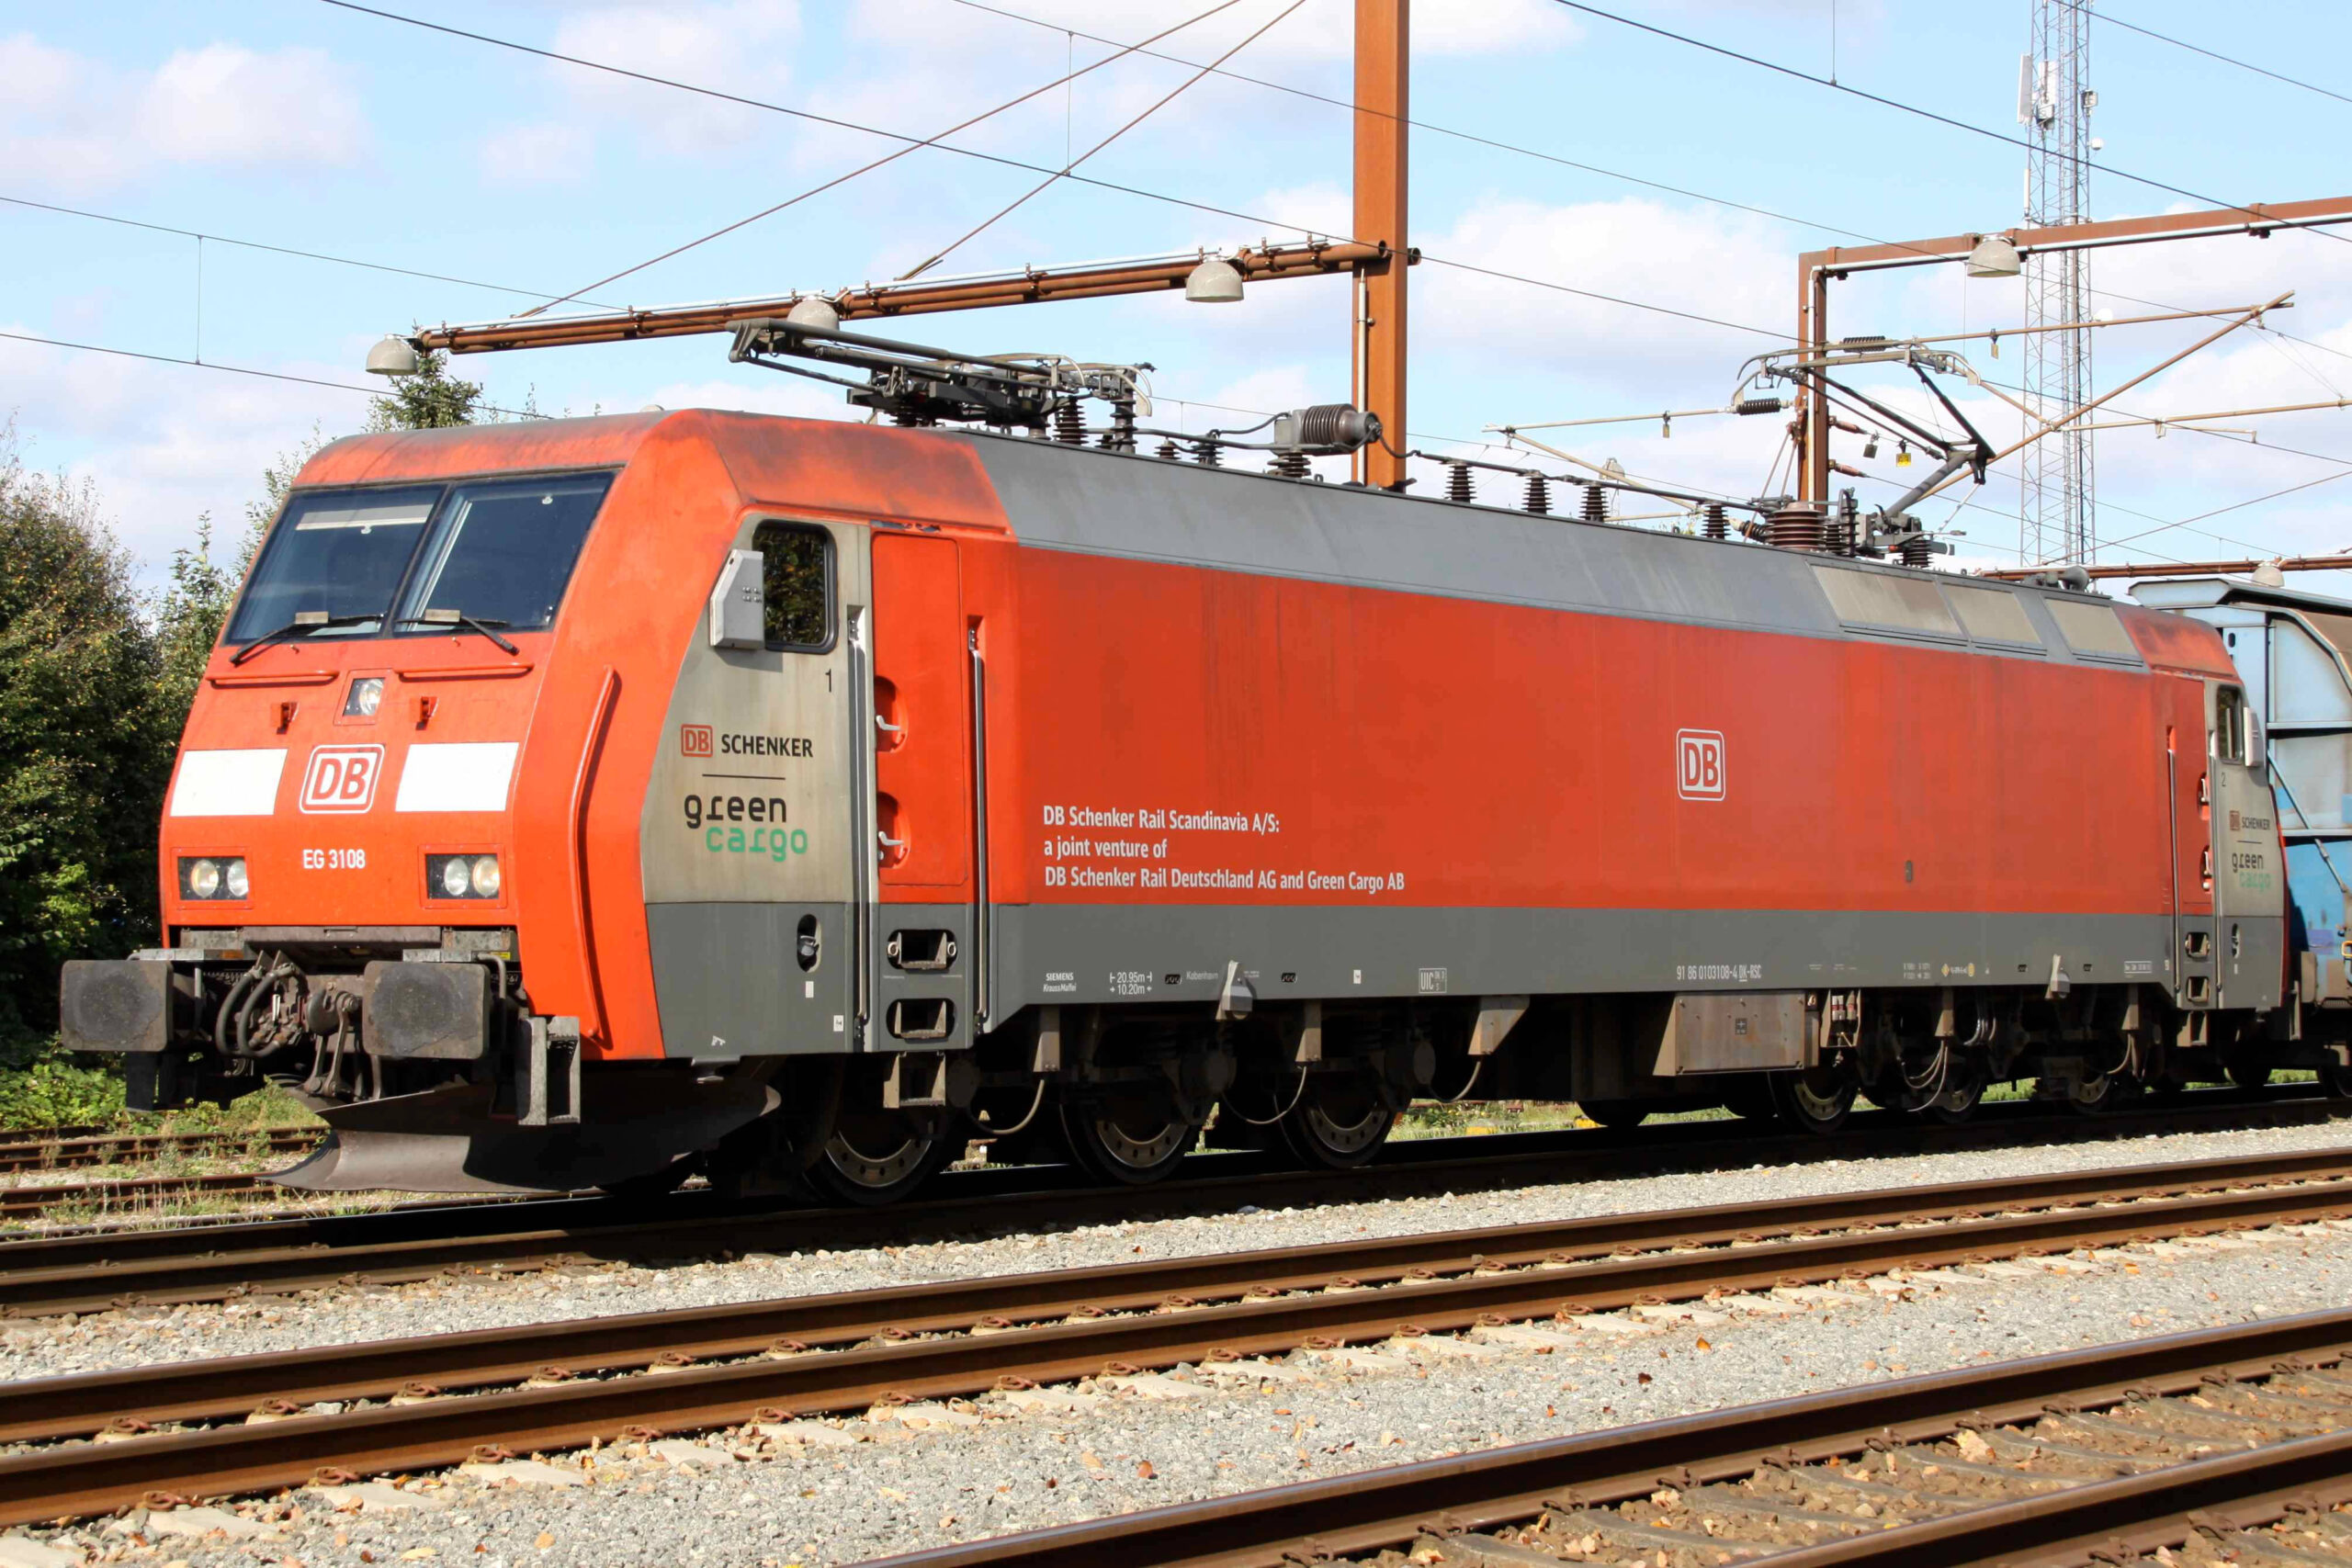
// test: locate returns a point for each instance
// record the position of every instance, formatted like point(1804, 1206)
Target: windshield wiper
point(304, 622)
point(446, 617)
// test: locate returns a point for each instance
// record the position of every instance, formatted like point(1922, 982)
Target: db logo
point(1699, 764)
point(341, 779)
point(693, 740)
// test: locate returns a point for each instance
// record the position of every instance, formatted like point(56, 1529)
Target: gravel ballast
point(841, 1490)
point(138, 1337)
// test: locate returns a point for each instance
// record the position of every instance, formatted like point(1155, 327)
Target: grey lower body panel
point(728, 980)
point(1094, 953)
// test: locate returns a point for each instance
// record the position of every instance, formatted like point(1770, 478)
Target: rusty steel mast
point(2054, 517)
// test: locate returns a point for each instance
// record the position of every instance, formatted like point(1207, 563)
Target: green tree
point(430, 399)
point(84, 748)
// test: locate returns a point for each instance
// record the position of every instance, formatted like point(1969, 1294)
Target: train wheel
point(2249, 1074)
point(1618, 1113)
point(1818, 1101)
point(1962, 1092)
point(1338, 1124)
point(876, 1157)
point(1127, 1140)
point(2103, 1096)
point(2336, 1078)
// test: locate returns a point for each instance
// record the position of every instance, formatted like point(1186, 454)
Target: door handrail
point(576, 825)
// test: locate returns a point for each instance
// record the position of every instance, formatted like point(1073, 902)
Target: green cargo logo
point(773, 842)
point(719, 818)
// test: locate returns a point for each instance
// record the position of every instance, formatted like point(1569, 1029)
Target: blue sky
point(299, 124)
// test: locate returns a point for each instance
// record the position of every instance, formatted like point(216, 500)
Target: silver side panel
point(750, 824)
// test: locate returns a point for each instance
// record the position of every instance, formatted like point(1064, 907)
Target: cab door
point(2242, 862)
point(923, 922)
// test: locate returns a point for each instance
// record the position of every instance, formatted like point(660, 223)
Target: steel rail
point(1388, 1508)
point(95, 1271)
point(79, 1146)
point(2131, 1513)
point(229, 1388)
point(1152, 1331)
point(20, 1202)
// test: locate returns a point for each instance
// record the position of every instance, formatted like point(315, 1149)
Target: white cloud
point(69, 123)
point(224, 104)
point(1632, 250)
point(743, 46)
point(1320, 30)
point(164, 444)
point(546, 152)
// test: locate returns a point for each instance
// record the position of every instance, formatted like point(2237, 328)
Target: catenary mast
point(2054, 521)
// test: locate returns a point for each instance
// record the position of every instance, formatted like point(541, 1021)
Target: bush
point(51, 1091)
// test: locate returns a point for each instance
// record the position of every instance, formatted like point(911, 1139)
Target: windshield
point(504, 552)
point(342, 552)
point(496, 551)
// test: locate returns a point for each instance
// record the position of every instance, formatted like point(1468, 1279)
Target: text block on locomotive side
point(1699, 764)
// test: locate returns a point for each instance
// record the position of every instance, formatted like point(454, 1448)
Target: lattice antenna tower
point(2054, 520)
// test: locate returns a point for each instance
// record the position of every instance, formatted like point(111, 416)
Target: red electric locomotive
point(581, 802)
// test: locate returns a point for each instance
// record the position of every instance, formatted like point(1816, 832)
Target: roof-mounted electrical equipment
point(919, 384)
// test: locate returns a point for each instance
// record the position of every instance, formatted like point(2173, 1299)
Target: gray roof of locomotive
point(1097, 503)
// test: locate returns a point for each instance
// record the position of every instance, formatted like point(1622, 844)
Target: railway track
point(405, 1405)
point(132, 1195)
point(103, 1269)
point(2225, 1445)
point(75, 1148)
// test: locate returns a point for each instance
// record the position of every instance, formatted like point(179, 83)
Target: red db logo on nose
point(1699, 764)
point(694, 740)
point(341, 779)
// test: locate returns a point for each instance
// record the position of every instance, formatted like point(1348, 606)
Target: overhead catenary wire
point(933, 140)
point(2114, 21)
point(233, 369)
point(1254, 220)
point(204, 236)
point(1880, 99)
point(1497, 144)
point(1070, 164)
point(1199, 206)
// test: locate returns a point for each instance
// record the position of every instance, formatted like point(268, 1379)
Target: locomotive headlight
point(214, 876)
point(462, 877)
point(367, 694)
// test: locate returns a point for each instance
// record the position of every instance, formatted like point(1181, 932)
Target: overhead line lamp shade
point(1213, 282)
point(810, 312)
point(1994, 256)
point(394, 356)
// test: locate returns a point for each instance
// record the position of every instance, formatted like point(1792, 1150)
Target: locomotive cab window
point(493, 553)
point(797, 585)
point(337, 554)
point(504, 552)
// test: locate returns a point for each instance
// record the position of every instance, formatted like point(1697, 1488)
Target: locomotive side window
point(796, 578)
point(504, 552)
point(340, 553)
point(2230, 726)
